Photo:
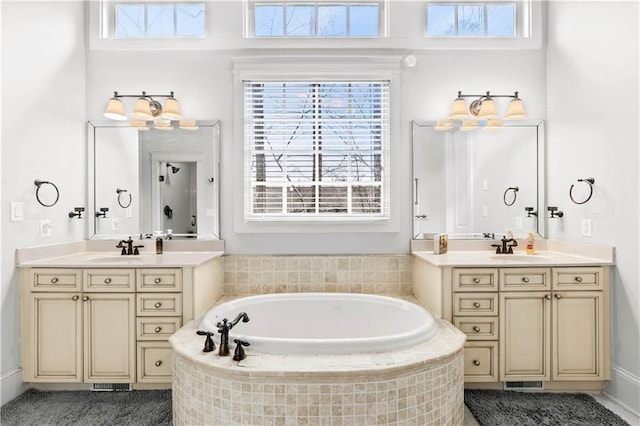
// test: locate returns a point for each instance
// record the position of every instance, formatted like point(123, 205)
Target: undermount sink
point(520, 258)
point(118, 258)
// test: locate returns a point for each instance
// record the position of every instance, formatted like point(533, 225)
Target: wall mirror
point(142, 181)
point(479, 183)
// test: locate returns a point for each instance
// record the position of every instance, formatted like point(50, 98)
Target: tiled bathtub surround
point(373, 274)
point(419, 385)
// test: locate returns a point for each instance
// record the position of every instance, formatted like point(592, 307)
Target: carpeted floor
point(86, 408)
point(509, 408)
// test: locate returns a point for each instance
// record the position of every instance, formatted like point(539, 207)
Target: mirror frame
point(541, 219)
point(92, 126)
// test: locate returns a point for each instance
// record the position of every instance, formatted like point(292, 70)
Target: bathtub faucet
point(223, 329)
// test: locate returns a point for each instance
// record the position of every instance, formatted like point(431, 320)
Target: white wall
point(43, 136)
point(592, 111)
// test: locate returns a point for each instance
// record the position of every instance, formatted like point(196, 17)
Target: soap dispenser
point(159, 247)
point(531, 248)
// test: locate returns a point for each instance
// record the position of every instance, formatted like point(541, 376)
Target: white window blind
point(316, 150)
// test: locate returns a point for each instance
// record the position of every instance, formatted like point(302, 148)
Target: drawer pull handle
point(85, 298)
point(158, 363)
point(476, 362)
point(76, 297)
point(158, 329)
point(107, 280)
point(578, 279)
point(157, 280)
point(157, 305)
point(476, 329)
point(476, 280)
point(548, 297)
point(525, 279)
point(557, 296)
point(476, 305)
point(54, 280)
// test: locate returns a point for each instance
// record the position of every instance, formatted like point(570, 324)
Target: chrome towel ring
point(590, 181)
point(122, 204)
point(515, 190)
point(39, 184)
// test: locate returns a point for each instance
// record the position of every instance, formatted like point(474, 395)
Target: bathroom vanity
point(539, 320)
point(92, 316)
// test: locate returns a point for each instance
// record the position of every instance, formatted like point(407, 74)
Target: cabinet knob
point(557, 296)
point(476, 362)
point(476, 329)
point(157, 305)
point(547, 296)
point(107, 280)
point(525, 279)
point(476, 305)
point(158, 363)
point(76, 297)
point(157, 280)
point(476, 280)
point(85, 298)
point(54, 280)
point(578, 279)
point(158, 329)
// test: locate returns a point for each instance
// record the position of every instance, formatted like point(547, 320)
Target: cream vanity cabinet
point(538, 323)
point(108, 325)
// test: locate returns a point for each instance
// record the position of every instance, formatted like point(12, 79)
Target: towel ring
point(515, 190)
point(120, 192)
point(589, 181)
point(39, 184)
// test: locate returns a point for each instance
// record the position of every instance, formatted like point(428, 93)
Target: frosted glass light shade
point(443, 125)
point(188, 125)
point(163, 125)
point(458, 110)
point(515, 110)
point(139, 124)
point(142, 110)
point(468, 125)
point(494, 125)
point(115, 110)
point(172, 109)
point(488, 110)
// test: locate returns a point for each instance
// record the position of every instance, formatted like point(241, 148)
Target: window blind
point(316, 150)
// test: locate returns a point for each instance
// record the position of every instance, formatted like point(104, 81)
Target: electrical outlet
point(586, 227)
point(128, 212)
point(485, 211)
point(17, 211)
point(115, 224)
point(45, 228)
point(518, 222)
point(485, 185)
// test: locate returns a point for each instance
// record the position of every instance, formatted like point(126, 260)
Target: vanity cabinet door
point(578, 335)
point(52, 349)
point(109, 337)
point(525, 325)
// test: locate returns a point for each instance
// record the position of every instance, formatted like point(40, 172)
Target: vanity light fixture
point(481, 112)
point(146, 107)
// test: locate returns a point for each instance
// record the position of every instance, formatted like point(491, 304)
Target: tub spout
point(223, 329)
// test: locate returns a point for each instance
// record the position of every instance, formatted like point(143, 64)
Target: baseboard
point(624, 389)
point(12, 385)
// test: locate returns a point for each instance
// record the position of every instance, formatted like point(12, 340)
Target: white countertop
point(476, 258)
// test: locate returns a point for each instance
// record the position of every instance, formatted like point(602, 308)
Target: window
point(157, 20)
point(316, 150)
point(316, 19)
point(471, 19)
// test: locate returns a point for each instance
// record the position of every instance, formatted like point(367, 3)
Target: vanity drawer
point(154, 362)
point(578, 278)
point(481, 362)
point(58, 279)
point(475, 304)
point(478, 328)
point(109, 280)
point(157, 328)
point(159, 304)
point(525, 279)
point(165, 279)
point(475, 279)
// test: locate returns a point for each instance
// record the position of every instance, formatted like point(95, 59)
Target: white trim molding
point(624, 389)
point(12, 385)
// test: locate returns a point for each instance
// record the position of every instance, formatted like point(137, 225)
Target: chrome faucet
point(504, 248)
point(223, 329)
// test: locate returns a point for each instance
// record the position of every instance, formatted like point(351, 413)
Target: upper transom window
point(147, 20)
point(477, 19)
point(315, 18)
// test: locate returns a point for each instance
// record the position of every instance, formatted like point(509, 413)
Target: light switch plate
point(17, 211)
